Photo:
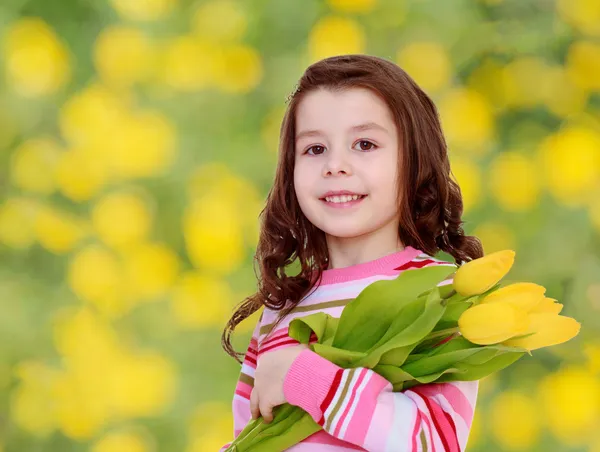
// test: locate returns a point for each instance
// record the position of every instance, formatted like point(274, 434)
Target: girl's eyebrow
point(358, 128)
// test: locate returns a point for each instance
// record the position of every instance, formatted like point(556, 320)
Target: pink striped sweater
point(356, 407)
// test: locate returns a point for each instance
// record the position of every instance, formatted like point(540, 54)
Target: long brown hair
point(430, 201)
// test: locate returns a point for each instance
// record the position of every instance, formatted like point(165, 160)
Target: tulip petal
point(551, 329)
point(487, 324)
point(524, 295)
point(479, 275)
point(548, 305)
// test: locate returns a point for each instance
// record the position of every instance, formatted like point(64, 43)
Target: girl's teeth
point(345, 198)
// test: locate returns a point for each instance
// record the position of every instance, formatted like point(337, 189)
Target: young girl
point(363, 192)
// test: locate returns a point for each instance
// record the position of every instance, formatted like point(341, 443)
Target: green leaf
point(322, 324)
point(479, 371)
point(338, 356)
point(367, 318)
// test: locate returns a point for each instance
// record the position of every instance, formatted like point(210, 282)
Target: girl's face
point(347, 141)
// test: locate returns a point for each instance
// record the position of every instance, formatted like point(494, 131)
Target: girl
point(363, 192)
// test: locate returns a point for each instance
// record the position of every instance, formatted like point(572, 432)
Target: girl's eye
point(363, 144)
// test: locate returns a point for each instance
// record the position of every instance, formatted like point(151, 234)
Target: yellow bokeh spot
point(31, 405)
point(241, 69)
point(584, 15)
point(352, 6)
point(213, 231)
point(121, 441)
point(220, 20)
point(514, 420)
point(79, 176)
point(488, 80)
point(476, 432)
point(190, 63)
point(271, 127)
point(59, 232)
point(122, 219)
point(525, 83)
point(36, 61)
point(334, 35)
point(495, 237)
point(17, 222)
point(583, 64)
point(95, 275)
point(210, 427)
point(150, 269)
point(564, 97)
point(123, 55)
point(33, 163)
point(199, 301)
point(467, 119)
point(570, 404)
point(468, 177)
point(570, 163)
point(514, 181)
point(143, 10)
point(427, 63)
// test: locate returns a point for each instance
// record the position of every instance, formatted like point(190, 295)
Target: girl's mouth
point(340, 202)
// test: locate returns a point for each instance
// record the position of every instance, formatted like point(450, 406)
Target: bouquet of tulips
point(395, 327)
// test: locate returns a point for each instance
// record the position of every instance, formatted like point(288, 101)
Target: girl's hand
point(271, 369)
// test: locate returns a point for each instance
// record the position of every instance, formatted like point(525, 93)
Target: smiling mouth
point(342, 201)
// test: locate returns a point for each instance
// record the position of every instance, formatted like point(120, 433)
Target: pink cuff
point(308, 381)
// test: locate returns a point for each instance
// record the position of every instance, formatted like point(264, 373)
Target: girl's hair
point(430, 201)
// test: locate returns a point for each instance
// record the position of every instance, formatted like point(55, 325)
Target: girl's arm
point(243, 388)
point(358, 406)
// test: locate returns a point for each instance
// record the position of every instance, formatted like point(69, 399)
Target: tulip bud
point(479, 275)
point(548, 305)
point(492, 323)
point(550, 329)
point(523, 295)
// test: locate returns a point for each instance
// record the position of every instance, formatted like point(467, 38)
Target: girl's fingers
point(267, 412)
point(254, 404)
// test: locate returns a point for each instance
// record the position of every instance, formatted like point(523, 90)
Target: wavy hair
point(430, 201)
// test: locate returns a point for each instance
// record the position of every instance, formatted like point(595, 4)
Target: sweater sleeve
point(244, 385)
point(358, 406)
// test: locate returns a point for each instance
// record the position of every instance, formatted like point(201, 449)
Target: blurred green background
point(138, 140)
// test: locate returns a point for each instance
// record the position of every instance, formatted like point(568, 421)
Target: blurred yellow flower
point(33, 163)
point(352, 6)
point(150, 270)
point(17, 221)
point(467, 119)
point(570, 404)
point(143, 10)
point(59, 232)
point(32, 407)
point(209, 427)
point(241, 69)
point(199, 301)
point(145, 145)
point(564, 97)
point(122, 55)
point(584, 15)
point(514, 420)
point(36, 61)
point(190, 63)
point(334, 35)
point(479, 275)
point(88, 119)
point(495, 236)
point(145, 385)
point(488, 80)
point(213, 232)
point(583, 64)
point(121, 441)
point(514, 181)
point(79, 176)
point(122, 219)
point(525, 82)
point(492, 323)
point(427, 63)
point(95, 276)
point(468, 176)
point(570, 162)
point(220, 20)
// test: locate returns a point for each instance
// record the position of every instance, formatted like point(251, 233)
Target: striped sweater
point(356, 407)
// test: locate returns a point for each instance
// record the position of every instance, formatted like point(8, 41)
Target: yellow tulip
point(523, 295)
point(492, 323)
point(548, 305)
point(550, 329)
point(479, 275)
